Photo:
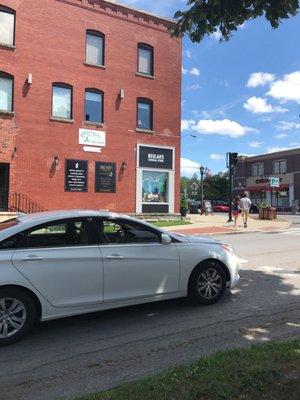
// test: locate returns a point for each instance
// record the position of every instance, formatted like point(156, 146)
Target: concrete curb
point(242, 232)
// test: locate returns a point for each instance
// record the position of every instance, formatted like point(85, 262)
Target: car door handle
point(32, 258)
point(115, 257)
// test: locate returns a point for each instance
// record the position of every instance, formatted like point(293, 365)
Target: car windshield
point(9, 223)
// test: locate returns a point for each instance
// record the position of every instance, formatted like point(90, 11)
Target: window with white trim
point(7, 26)
point(94, 48)
point(279, 167)
point(6, 91)
point(257, 169)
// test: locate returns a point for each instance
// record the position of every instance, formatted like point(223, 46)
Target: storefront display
point(155, 187)
point(155, 179)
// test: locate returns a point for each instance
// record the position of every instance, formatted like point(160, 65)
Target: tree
point(215, 187)
point(205, 17)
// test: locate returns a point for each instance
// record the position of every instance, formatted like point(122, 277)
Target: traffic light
point(233, 158)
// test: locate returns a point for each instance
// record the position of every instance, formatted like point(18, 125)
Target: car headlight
point(228, 248)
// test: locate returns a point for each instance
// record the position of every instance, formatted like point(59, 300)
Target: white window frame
point(139, 180)
point(279, 163)
point(257, 166)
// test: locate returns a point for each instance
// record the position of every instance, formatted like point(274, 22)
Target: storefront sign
point(154, 157)
point(274, 182)
point(267, 180)
point(105, 177)
point(76, 172)
point(91, 137)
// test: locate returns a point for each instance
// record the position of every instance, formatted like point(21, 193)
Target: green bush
point(184, 203)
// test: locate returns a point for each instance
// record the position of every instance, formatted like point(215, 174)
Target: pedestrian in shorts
point(245, 204)
point(236, 210)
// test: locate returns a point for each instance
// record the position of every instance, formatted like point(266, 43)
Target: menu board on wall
point(105, 177)
point(76, 173)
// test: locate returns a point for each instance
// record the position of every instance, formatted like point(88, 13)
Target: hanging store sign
point(274, 182)
point(154, 157)
point(76, 172)
point(105, 177)
point(91, 137)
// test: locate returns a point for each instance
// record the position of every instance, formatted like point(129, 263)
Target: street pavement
point(95, 352)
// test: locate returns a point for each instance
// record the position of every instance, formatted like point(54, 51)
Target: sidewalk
point(217, 224)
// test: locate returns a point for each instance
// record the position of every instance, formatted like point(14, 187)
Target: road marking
point(291, 231)
point(278, 271)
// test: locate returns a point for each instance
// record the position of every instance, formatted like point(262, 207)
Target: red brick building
point(90, 98)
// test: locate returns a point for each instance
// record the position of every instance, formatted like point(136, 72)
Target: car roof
point(59, 214)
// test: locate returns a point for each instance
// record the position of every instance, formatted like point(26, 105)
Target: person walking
point(236, 210)
point(245, 204)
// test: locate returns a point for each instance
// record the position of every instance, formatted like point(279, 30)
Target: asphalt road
point(90, 353)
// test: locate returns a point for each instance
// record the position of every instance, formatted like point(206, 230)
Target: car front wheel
point(207, 283)
point(17, 315)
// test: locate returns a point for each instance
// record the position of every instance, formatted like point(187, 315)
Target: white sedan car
point(63, 263)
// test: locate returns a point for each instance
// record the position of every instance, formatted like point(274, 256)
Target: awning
point(264, 187)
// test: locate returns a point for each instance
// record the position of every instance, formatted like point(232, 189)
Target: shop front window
point(258, 197)
point(281, 198)
point(155, 187)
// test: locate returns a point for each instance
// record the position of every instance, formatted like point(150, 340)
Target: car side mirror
point(165, 239)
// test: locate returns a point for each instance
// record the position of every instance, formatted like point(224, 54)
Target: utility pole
point(232, 159)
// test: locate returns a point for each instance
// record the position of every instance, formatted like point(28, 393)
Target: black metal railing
point(19, 202)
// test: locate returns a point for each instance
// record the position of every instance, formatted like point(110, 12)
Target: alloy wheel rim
point(209, 283)
point(12, 316)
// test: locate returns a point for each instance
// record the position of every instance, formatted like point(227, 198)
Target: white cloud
point(216, 156)
point(217, 35)
point(187, 124)
point(189, 167)
point(194, 87)
point(260, 79)
point(258, 105)
point(278, 148)
point(195, 71)
point(255, 145)
point(285, 125)
point(223, 127)
point(188, 54)
point(281, 136)
point(287, 89)
point(184, 71)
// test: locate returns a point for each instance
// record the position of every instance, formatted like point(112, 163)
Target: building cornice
point(277, 154)
point(123, 12)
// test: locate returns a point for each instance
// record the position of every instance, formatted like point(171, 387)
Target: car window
point(57, 234)
point(126, 232)
point(11, 242)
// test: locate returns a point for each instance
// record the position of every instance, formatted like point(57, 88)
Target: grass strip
point(175, 222)
point(262, 372)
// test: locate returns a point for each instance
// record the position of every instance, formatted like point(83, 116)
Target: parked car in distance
point(62, 263)
point(220, 208)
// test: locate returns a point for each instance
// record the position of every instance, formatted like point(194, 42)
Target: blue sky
point(242, 95)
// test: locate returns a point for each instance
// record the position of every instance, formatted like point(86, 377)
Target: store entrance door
point(4, 179)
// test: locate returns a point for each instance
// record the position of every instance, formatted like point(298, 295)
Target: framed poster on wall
point(76, 176)
point(105, 177)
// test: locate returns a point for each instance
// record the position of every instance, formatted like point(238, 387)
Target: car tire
point(207, 283)
point(18, 314)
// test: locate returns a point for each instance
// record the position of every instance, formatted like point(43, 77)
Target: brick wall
point(50, 44)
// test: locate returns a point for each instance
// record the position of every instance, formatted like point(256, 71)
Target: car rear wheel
point(17, 315)
point(207, 283)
